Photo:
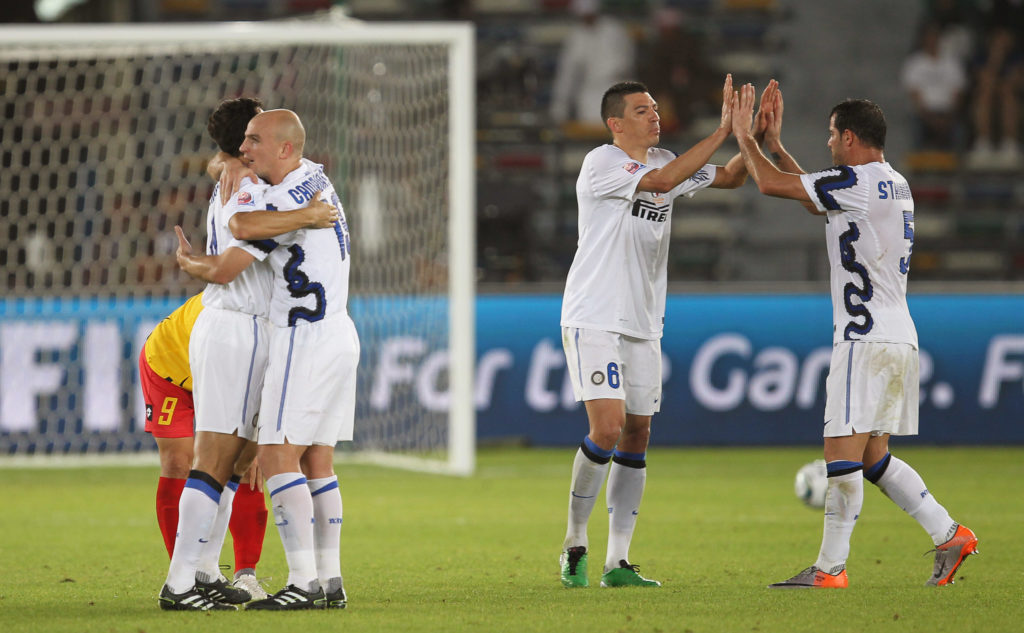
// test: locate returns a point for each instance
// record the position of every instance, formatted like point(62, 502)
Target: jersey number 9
point(167, 411)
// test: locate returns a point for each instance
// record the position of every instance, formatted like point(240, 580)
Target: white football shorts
point(309, 395)
point(611, 365)
point(227, 352)
point(872, 388)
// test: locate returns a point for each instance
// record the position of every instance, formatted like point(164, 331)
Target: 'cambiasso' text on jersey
point(311, 266)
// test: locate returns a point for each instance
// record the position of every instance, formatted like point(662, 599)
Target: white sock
point(843, 503)
point(587, 477)
point(904, 486)
point(292, 506)
point(209, 561)
point(327, 512)
point(197, 510)
point(624, 493)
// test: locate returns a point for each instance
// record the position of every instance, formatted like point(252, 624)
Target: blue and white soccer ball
point(811, 483)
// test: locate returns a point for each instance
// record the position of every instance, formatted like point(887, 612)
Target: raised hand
point(763, 111)
point(184, 248)
point(773, 130)
point(743, 110)
point(727, 104)
point(323, 214)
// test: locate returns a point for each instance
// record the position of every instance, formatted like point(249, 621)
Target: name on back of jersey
point(895, 190)
point(305, 191)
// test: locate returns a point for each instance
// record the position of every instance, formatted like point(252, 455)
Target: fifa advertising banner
point(751, 369)
point(740, 370)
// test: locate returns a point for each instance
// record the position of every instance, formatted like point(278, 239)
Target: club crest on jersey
point(149, 412)
point(632, 167)
point(244, 197)
point(597, 378)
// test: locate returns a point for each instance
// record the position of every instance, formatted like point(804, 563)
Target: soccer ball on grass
point(811, 483)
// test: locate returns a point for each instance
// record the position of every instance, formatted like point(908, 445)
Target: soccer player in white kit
point(872, 385)
point(227, 357)
point(613, 312)
point(308, 399)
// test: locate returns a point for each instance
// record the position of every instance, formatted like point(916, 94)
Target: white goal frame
point(459, 39)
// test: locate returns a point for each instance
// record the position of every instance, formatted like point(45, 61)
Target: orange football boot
point(951, 554)
point(814, 578)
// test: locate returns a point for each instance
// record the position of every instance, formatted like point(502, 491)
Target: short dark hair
point(613, 103)
point(862, 117)
point(228, 122)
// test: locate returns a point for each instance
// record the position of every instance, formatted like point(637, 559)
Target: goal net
point(103, 149)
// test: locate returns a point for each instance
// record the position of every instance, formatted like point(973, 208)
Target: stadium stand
point(970, 221)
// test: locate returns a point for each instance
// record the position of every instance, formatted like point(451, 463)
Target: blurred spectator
point(935, 82)
point(999, 76)
point(597, 54)
point(956, 20)
point(676, 71)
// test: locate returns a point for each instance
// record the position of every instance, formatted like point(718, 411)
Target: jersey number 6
point(613, 375)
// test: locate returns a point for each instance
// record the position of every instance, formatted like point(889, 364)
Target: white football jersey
point(870, 233)
point(311, 266)
point(249, 292)
point(619, 275)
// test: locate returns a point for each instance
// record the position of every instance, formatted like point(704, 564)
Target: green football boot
point(574, 567)
point(626, 575)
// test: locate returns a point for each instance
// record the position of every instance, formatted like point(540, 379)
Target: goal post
point(103, 150)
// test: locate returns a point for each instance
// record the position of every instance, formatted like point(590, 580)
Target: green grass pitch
point(80, 550)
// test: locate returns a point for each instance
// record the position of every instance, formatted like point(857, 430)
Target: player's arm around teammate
point(261, 225)
point(222, 268)
point(233, 172)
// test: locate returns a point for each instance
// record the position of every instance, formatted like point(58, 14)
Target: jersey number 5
point(908, 233)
